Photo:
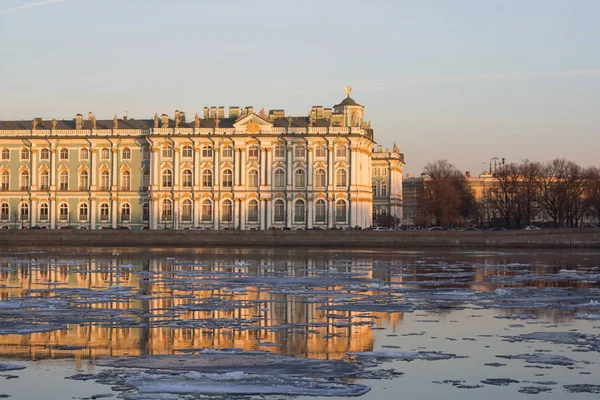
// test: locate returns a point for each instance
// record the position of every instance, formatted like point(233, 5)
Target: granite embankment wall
point(551, 238)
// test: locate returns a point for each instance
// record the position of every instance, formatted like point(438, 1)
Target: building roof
point(348, 101)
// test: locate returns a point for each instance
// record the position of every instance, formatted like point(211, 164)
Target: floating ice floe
point(550, 359)
point(404, 355)
point(10, 367)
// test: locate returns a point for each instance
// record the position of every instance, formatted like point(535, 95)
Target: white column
point(217, 169)
point(263, 164)
point(33, 173)
point(242, 212)
point(33, 212)
point(243, 167)
point(94, 170)
point(115, 170)
point(93, 214)
point(53, 169)
point(289, 162)
point(52, 212)
point(261, 213)
point(115, 216)
point(197, 171)
point(176, 168)
point(154, 167)
point(269, 167)
point(309, 168)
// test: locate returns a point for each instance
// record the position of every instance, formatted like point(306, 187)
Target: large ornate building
point(246, 170)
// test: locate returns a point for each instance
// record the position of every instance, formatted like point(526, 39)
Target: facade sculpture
point(242, 171)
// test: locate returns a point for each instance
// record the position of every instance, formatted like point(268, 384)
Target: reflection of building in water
point(233, 317)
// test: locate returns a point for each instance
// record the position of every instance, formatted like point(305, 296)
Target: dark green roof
point(348, 101)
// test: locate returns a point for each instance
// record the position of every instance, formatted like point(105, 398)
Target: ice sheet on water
point(239, 383)
point(20, 328)
point(404, 355)
point(550, 359)
point(255, 362)
point(4, 367)
point(584, 341)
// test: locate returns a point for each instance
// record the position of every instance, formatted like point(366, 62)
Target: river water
point(185, 323)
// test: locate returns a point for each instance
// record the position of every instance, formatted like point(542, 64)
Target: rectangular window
point(227, 152)
point(188, 152)
point(299, 152)
point(321, 152)
point(340, 152)
point(253, 153)
point(207, 152)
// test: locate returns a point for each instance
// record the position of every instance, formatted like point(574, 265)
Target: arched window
point(383, 189)
point(252, 153)
point(374, 188)
point(279, 211)
point(84, 154)
point(279, 179)
point(83, 180)
point(207, 178)
point(186, 210)
point(227, 178)
point(320, 181)
point(145, 212)
point(207, 210)
point(44, 212)
point(44, 180)
point(126, 180)
point(320, 151)
point(299, 151)
point(299, 211)
point(104, 180)
point(167, 178)
point(340, 211)
point(167, 151)
point(104, 212)
point(320, 211)
point(166, 213)
point(227, 152)
point(83, 212)
point(125, 212)
point(64, 180)
point(186, 180)
point(45, 154)
point(5, 184)
point(341, 178)
point(187, 152)
point(105, 154)
point(253, 211)
point(5, 154)
point(340, 151)
point(227, 211)
point(253, 178)
point(299, 179)
point(4, 211)
point(24, 154)
point(207, 151)
point(280, 151)
point(63, 212)
point(145, 179)
point(24, 211)
point(24, 181)
point(126, 154)
point(64, 154)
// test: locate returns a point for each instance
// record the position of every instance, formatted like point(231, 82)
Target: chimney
point(327, 113)
point(182, 117)
point(79, 121)
point(379, 148)
point(213, 112)
point(234, 112)
point(205, 112)
point(125, 117)
point(467, 174)
point(221, 112)
point(249, 110)
point(164, 121)
point(90, 116)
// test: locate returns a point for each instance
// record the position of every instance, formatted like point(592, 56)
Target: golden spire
point(348, 90)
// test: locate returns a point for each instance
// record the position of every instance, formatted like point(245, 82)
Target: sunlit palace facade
point(245, 170)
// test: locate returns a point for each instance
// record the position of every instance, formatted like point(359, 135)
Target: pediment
point(253, 123)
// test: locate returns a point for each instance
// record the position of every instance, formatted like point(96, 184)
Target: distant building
point(246, 170)
point(386, 183)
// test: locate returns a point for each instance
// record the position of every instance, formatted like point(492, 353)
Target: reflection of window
point(187, 178)
point(279, 211)
point(299, 179)
point(186, 210)
point(227, 178)
point(253, 211)
point(227, 211)
point(187, 152)
point(206, 210)
point(320, 211)
point(279, 179)
point(253, 178)
point(299, 211)
point(340, 211)
point(207, 178)
point(299, 152)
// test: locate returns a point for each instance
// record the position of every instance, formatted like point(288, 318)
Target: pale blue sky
point(463, 80)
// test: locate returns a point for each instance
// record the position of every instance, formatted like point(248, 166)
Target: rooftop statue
point(115, 123)
point(396, 149)
point(54, 124)
point(155, 120)
point(196, 121)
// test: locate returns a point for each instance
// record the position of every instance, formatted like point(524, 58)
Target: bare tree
point(592, 192)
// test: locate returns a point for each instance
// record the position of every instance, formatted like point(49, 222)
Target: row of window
point(341, 179)
point(382, 189)
point(166, 212)
point(187, 152)
point(378, 171)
